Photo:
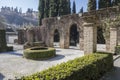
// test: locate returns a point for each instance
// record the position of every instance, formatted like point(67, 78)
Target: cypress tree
point(91, 5)
point(46, 8)
point(109, 4)
point(64, 7)
point(104, 3)
point(81, 10)
point(74, 7)
point(41, 11)
point(53, 8)
point(69, 9)
point(118, 2)
point(115, 2)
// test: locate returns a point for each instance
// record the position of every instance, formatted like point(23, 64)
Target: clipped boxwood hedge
point(117, 49)
point(39, 54)
point(90, 67)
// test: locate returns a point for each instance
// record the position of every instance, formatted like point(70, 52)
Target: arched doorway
point(56, 38)
point(74, 35)
point(101, 40)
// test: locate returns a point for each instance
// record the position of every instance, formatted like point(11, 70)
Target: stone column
point(64, 39)
point(90, 38)
point(108, 44)
point(51, 39)
point(21, 36)
point(62, 42)
point(30, 36)
point(81, 40)
point(113, 39)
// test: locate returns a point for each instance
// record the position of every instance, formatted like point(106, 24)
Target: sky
point(25, 4)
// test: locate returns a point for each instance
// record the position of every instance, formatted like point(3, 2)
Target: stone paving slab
point(12, 64)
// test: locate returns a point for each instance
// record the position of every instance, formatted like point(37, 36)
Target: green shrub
point(117, 49)
point(3, 49)
point(9, 48)
point(2, 41)
point(90, 67)
point(38, 54)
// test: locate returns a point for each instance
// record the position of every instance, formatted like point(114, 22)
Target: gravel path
point(12, 64)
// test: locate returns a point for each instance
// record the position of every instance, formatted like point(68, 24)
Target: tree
point(91, 5)
point(20, 10)
point(104, 3)
point(69, 9)
point(74, 7)
point(41, 11)
point(16, 10)
point(46, 8)
point(11, 8)
point(29, 10)
point(81, 10)
point(115, 2)
point(118, 2)
point(53, 7)
point(64, 7)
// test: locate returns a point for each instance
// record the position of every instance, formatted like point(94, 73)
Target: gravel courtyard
point(12, 64)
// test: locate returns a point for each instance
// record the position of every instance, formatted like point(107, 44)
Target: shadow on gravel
point(13, 53)
point(58, 50)
point(1, 76)
point(112, 75)
point(116, 58)
point(57, 57)
point(74, 49)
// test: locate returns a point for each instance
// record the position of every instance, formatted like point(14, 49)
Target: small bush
point(37, 54)
point(89, 67)
point(10, 48)
point(3, 49)
point(117, 49)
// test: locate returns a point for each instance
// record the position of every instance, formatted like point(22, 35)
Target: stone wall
point(62, 24)
point(29, 35)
